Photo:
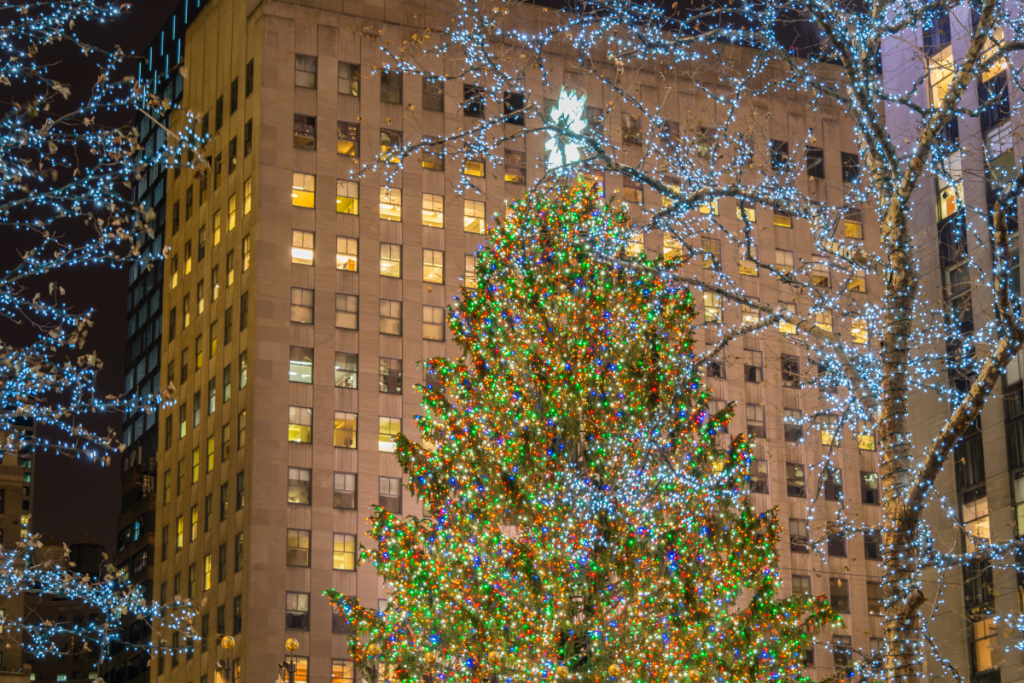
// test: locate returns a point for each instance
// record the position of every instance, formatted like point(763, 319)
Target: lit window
point(712, 250)
point(635, 245)
point(781, 219)
point(390, 376)
point(432, 154)
point(348, 254)
point(342, 671)
point(304, 128)
point(300, 365)
point(390, 203)
point(859, 332)
point(711, 208)
point(232, 212)
point(248, 197)
point(300, 486)
point(433, 210)
point(174, 272)
point(749, 266)
point(859, 281)
point(246, 253)
point(296, 606)
point(746, 212)
point(671, 247)
point(216, 228)
point(345, 430)
point(388, 428)
point(348, 197)
point(433, 323)
point(391, 145)
point(787, 327)
point(302, 247)
point(298, 548)
point(300, 424)
point(348, 79)
point(391, 317)
point(346, 311)
point(474, 164)
point(712, 307)
point(823, 319)
point(470, 271)
point(821, 275)
point(984, 643)
point(854, 224)
point(515, 167)
point(940, 75)
point(303, 190)
point(474, 214)
point(345, 552)
point(391, 260)
point(348, 139)
point(433, 266)
point(346, 370)
point(749, 315)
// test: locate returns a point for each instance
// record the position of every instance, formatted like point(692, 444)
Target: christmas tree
point(582, 521)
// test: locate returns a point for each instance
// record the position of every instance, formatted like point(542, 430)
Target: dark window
point(716, 369)
point(390, 376)
point(969, 459)
point(799, 535)
point(851, 166)
point(473, 101)
point(869, 494)
point(296, 611)
point(304, 129)
point(232, 157)
point(839, 595)
point(234, 95)
point(836, 545)
point(345, 490)
point(937, 33)
point(815, 162)
point(872, 545)
point(790, 371)
point(842, 652)
point(796, 484)
point(993, 100)
point(753, 370)
point(390, 497)
point(433, 95)
point(249, 77)
point(219, 113)
point(237, 621)
point(391, 87)
point(515, 104)
point(759, 476)
point(247, 139)
point(833, 483)
point(779, 152)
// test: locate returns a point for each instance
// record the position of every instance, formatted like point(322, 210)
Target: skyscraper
point(299, 296)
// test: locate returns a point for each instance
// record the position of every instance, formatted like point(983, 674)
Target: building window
point(347, 254)
point(983, 645)
point(433, 323)
point(631, 129)
point(247, 139)
point(796, 485)
point(515, 167)
point(752, 366)
point(836, 545)
point(302, 247)
point(712, 250)
point(391, 145)
point(821, 274)
point(391, 317)
point(470, 277)
point(390, 203)
point(869, 488)
point(391, 87)
point(790, 366)
point(515, 107)
point(302, 306)
point(388, 428)
point(815, 162)
point(433, 210)
point(346, 370)
point(299, 486)
point(858, 282)
point(304, 129)
point(715, 369)
point(799, 535)
point(784, 261)
point(792, 425)
point(247, 205)
point(474, 164)
point(433, 95)
point(854, 224)
point(712, 307)
point(472, 101)
point(473, 216)
point(842, 651)
point(345, 552)
point(347, 200)
point(876, 601)
point(345, 490)
point(432, 154)
point(303, 190)
point(348, 79)
point(346, 311)
point(632, 190)
point(342, 671)
point(345, 430)
point(305, 71)
point(300, 424)
point(759, 476)
point(839, 596)
point(872, 546)
point(433, 266)
point(391, 494)
point(749, 266)
point(755, 420)
point(391, 260)
point(833, 483)
point(300, 365)
point(241, 428)
point(390, 376)
point(237, 613)
point(348, 139)
point(298, 548)
point(823, 320)
point(296, 611)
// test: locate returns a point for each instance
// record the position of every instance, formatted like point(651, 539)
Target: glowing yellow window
point(348, 197)
point(433, 210)
point(785, 327)
point(390, 203)
point(216, 228)
point(475, 167)
point(854, 224)
point(859, 281)
point(866, 442)
point(303, 190)
point(174, 272)
point(211, 449)
point(300, 424)
point(473, 217)
point(711, 208)
point(746, 212)
point(302, 247)
point(671, 247)
point(940, 75)
point(248, 197)
point(348, 254)
point(823, 319)
point(666, 199)
point(748, 266)
point(232, 212)
point(781, 219)
point(859, 331)
point(635, 246)
point(712, 307)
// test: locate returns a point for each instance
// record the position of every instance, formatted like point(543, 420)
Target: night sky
point(74, 498)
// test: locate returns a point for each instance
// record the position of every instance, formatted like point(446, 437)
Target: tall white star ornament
point(567, 115)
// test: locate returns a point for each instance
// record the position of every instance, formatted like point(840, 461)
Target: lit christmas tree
point(584, 524)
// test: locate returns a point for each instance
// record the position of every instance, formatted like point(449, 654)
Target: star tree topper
point(568, 115)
